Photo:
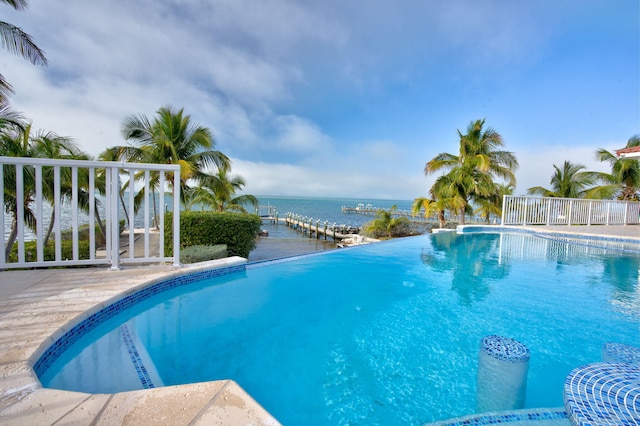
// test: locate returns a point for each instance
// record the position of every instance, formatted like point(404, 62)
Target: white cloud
point(348, 178)
point(536, 166)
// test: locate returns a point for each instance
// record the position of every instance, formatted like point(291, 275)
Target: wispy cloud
point(356, 94)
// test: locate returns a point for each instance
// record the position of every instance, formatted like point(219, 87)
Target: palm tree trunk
point(50, 227)
point(124, 207)
point(12, 239)
point(461, 216)
point(100, 224)
point(441, 218)
point(155, 211)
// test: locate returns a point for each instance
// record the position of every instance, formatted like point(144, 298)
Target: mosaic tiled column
point(618, 352)
point(503, 364)
point(603, 393)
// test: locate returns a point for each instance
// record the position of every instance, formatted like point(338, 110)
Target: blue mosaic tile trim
point(141, 370)
point(618, 352)
point(606, 243)
point(603, 394)
point(505, 349)
point(497, 229)
point(53, 352)
point(506, 417)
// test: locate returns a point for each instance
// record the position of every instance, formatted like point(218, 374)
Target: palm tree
point(19, 141)
point(623, 182)
point(20, 43)
point(471, 173)
point(171, 138)
point(218, 191)
point(492, 205)
point(566, 182)
point(50, 145)
point(385, 222)
point(442, 199)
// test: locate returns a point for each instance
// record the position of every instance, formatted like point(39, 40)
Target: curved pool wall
point(69, 338)
point(46, 304)
point(48, 355)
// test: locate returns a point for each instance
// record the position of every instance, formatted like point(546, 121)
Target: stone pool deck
point(38, 306)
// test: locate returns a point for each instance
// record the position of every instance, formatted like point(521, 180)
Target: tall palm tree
point(218, 191)
point(566, 182)
point(171, 138)
point(623, 182)
point(471, 173)
point(50, 145)
point(20, 141)
point(20, 43)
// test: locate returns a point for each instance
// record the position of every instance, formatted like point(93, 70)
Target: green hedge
point(195, 254)
point(236, 230)
point(49, 251)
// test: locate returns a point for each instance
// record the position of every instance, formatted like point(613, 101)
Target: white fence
point(33, 186)
point(518, 210)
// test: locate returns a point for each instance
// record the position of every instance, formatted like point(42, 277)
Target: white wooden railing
point(520, 210)
point(29, 182)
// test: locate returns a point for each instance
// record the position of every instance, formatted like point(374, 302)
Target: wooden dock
point(369, 210)
point(317, 228)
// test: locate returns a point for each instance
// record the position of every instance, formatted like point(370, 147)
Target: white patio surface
point(38, 306)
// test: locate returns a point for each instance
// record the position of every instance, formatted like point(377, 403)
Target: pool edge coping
point(24, 339)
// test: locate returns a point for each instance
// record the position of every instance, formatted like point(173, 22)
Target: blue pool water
point(381, 334)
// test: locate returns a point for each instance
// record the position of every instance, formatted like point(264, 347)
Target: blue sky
point(335, 98)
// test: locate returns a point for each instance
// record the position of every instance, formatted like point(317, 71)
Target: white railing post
point(39, 227)
point(161, 179)
point(57, 213)
point(113, 192)
point(92, 214)
point(2, 257)
point(74, 213)
point(20, 210)
point(176, 218)
point(570, 211)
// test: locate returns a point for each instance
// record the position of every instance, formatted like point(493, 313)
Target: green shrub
point(236, 230)
point(49, 251)
point(195, 254)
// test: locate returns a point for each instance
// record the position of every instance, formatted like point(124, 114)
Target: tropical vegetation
point(471, 174)
point(20, 43)
point(623, 182)
point(385, 224)
point(568, 181)
point(18, 140)
point(170, 138)
point(218, 192)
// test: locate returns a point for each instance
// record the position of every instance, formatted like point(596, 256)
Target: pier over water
point(316, 227)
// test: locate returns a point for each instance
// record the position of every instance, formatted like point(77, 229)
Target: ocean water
point(324, 209)
point(284, 241)
point(329, 209)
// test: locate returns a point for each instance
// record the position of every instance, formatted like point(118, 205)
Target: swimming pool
point(385, 333)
